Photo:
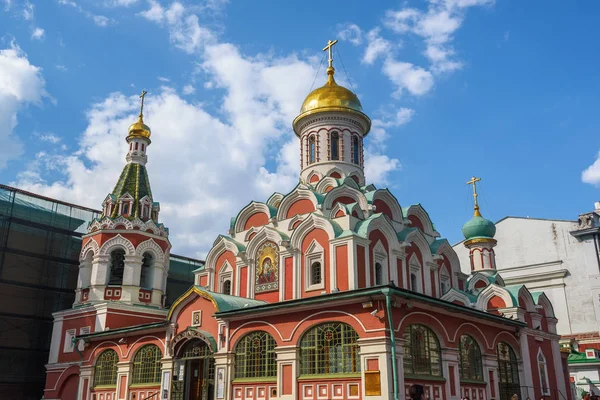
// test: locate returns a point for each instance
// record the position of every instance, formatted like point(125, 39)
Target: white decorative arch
point(477, 277)
point(120, 220)
point(350, 179)
point(392, 202)
point(318, 322)
point(275, 200)
point(117, 347)
point(417, 238)
point(295, 219)
point(94, 226)
point(264, 234)
point(382, 223)
point(433, 328)
point(299, 193)
point(248, 211)
point(493, 290)
point(359, 211)
point(544, 302)
point(381, 256)
point(151, 246)
point(415, 264)
point(338, 170)
point(221, 244)
point(92, 246)
point(418, 211)
point(485, 345)
point(525, 294)
point(454, 295)
point(250, 232)
point(232, 334)
point(312, 174)
point(325, 182)
point(132, 345)
point(117, 241)
point(336, 208)
point(446, 250)
point(345, 190)
point(311, 222)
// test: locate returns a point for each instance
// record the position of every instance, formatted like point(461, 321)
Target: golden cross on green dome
point(329, 48)
point(144, 93)
point(473, 182)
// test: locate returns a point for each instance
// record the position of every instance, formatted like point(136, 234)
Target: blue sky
point(506, 90)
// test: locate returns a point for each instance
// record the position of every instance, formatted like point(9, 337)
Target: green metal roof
point(133, 181)
point(404, 233)
point(127, 329)
point(580, 358)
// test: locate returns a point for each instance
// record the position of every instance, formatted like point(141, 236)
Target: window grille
point(471, 366)
point(117, 266)
point(255, 356)
point(413, 282)
point(312, 150)
point(335, 146)
point(315, 273)
point(196, 348)
point(146, 274)
point(421, 352)
point(147, 365)
point(543, 374)
point(508, 371)
point(227, 287)
point(105, 370)
point(355, 154)
point(378, 274)
point(329, 349)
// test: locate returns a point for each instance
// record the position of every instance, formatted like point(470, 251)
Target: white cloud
point(50, 137)
point(163, 79)
point(120, 3)
point(188, 89)
point(37, 34)
point(62, 68)
point(407, 76)
point(379, 166)
point(376, 46)
point(246, 146)
point(21, 83)
point(591, 174)
point(351, 33)
point(99, 20)
point(28, 11)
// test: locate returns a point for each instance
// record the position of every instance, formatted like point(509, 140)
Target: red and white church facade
point(331, 291)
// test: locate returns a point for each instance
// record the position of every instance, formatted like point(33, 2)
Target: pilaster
point(450, 359)
point(123, 378)
point(85, 383)
point(376, 357)
point(287, 372)
point(224, 373)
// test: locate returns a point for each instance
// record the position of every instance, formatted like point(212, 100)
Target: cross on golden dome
point(144, 93)
point(329, 48)
point(140, 129)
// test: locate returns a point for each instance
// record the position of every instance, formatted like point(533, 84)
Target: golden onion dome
point(331, 95)
point(139, 129)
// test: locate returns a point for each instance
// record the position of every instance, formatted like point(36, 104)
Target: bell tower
point(479, 237)
point(125, 254)
point(331, 127)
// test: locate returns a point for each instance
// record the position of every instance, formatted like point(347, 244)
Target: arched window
point(329, 349)
point(255, 356)
point(378, 274)
point(471, 366)
point(312, 151)
point(147, 365)
point(421, 352)
point(414, 285)
point(508, 371)
point(117, 266)
point(315, 273)
point(335, 146)
point(543, 370)
point(105, 370)
point(355, 151)
point(146, 276)
point(125, 209)
point(226, 287)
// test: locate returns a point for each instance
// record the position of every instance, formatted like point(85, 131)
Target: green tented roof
point(436, 245)
point(133, 181)
point(404, 233)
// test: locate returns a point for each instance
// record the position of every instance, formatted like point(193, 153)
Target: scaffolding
point(40, 241)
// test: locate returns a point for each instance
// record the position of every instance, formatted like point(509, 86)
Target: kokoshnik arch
point(331, 291)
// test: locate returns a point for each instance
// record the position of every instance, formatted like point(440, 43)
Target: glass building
point(40, 241)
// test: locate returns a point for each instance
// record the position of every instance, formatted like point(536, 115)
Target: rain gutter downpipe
point(388, 304)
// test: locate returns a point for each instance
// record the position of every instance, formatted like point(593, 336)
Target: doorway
point(194, 372)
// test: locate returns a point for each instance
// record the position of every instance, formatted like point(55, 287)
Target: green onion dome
point(478, 227)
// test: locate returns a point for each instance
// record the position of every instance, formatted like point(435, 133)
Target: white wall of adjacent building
point(543, 255)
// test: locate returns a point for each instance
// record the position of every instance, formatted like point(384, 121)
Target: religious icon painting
point(267, 268)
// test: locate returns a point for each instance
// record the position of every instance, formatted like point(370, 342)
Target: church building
point(331, 291)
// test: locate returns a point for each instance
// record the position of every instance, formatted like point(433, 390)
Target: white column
point(132, 271)
point(85, 374)
point(427, 275)
point(377, 349)
point(123, 370)
point(525, 373)
point(224, 372)
point(490, 365)
point(287, 358)
point(166, 377)
point(450, 358)
point(558, 369)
